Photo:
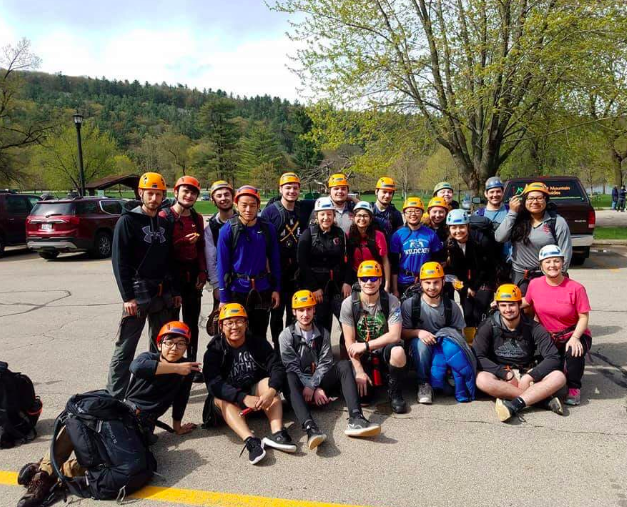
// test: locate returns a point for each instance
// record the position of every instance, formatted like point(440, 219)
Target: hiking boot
point(198, 378)
point(26, 473)
point(396, 398)
point(314, 436)
point(574, 397)
point(553, 404)
point(425, 394)
point(359, 426)
point(255, 448)
point(280, 440)
point(504, 409)
point(38, 490)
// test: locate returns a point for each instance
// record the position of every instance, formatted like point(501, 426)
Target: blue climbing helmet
point(324, 204)
point(493, 182)
point(457, 217)
point(548, 251)
point(365, 205)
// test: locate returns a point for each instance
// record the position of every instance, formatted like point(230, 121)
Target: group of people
point(388, 276)
point(618, 198)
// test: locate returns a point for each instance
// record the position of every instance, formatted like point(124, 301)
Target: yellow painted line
point(203, 498)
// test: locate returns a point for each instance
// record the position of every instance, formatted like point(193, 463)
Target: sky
point(239, 46)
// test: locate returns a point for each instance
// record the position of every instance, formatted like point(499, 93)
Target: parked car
point(572, 203)
point(14, 209)
point(73, 225)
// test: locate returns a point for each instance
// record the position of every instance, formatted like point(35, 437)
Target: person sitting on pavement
point(160, 380)
point(445, 190)
point(312, 374)
point(144, 269)
point(371, 323)
point(385, 213)
point(243, 373)
point(247, 246)
point(424, 315)
point(411, 246)
point(189, 254)
point(506, 345)
point(561, 305)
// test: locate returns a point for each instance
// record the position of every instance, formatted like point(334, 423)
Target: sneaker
point(504, 409)
point(256, 452)
point(280, 440)
point(314, 436)
point(359, 426)
point(38, 490)
point(574, 397)
point(26, 474)
point(554, 404)
point(198, 378)
point(396, 396)
point(425, 394)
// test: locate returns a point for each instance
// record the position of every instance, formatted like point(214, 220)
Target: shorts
point(252, 391)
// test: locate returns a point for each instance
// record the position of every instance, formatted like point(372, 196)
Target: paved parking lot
point(60, 318)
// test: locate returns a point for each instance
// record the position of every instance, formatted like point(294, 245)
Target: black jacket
point(516, 349)
point(475, 267)
point(218, 360)
point(316, 259)
point(142, 246)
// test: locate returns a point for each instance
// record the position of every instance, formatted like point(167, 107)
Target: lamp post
point(78, 121)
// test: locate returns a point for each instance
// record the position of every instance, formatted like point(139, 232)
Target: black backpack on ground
point(108, 442)
point(19, 408)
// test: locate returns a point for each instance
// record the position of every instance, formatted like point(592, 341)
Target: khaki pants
point(64, 448)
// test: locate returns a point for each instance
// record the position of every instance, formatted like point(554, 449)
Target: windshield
point(47, 208)
point(560, 190)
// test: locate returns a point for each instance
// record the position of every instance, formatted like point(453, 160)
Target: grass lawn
point(610, 233)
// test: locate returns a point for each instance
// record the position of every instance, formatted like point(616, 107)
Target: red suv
point(73, 225)
point(14, 209)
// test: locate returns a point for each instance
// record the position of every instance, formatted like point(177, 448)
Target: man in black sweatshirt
point(506, 346)
point(143, 263)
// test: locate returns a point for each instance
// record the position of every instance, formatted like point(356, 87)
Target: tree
point(478, 71)
point(259, 148)
point(57, 158)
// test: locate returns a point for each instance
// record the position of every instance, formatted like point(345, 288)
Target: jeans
point(422, 355)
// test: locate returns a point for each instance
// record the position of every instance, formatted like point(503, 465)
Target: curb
point(606, 242)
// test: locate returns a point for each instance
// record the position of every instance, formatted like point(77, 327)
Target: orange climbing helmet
point(152, 181)
point(231, 310)
point(174, 328)
point(190, 181)
point(247, 190)
point(508, 293)
point(303, 299)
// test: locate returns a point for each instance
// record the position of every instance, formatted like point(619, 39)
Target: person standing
point(143, 265)
point(614, 197)
point(284, 214)
point(445, 190)
point(189, 253)
point(622, 194)
point(385, 213)
point(247, 245)
point(338, 192)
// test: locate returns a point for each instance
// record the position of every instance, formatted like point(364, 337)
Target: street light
point(78, 121)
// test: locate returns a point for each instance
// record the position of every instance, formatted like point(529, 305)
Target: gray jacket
point(309, 363)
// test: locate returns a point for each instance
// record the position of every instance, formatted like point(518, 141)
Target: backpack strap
point(448, 311)
point(552, 222)
point(416, 309)
point(385, 303)
point(356, 305)
point(169, 215)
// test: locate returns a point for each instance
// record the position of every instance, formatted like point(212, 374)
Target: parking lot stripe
point(204, 498)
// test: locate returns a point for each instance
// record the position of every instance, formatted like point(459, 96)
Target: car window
point(111, 207)
point(48, 208)
point(17, 205)
point(32, 200)
point(560, 190)
point(86, 207)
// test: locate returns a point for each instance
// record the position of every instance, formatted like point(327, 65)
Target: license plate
point(46, 227)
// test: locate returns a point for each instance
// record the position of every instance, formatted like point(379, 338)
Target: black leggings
point(190, 309)
point(475, 308)
point(574, 366)
point(340, 373)
point(258, 309)
point(276, 315)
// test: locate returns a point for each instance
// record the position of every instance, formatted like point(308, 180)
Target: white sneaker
point(425, 394)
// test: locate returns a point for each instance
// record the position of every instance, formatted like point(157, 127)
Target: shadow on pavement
point(598, 331)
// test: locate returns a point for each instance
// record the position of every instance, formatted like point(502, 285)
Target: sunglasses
point(366, 279)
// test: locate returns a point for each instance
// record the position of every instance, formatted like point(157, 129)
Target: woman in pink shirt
point(562, 307)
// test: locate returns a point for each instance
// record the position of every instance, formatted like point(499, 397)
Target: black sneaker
point(255, 448)
point(504, 409)
point(280, 440)
point(359, 426)
point(26, 474)
point(199, 378)
point(38, 491)
point(314, 436)
point(396, 397)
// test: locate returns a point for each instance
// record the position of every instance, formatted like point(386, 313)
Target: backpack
point(237, 227)
point(108, 442)
point(416, 310)
point(19, 408)
point(215, 227)
point(384, 297)
point(169, 215)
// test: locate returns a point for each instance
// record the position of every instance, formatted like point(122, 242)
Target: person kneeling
point(506, 343)
point(242, 372)
point(311, 373)
point(160, 380)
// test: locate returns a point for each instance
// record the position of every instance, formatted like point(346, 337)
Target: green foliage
point(260, 157)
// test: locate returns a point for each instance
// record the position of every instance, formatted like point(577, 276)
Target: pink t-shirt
point(364, 254)
point(558, 307)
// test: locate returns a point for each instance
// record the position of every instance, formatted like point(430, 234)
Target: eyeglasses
point(362, 217)
point(536, 199)
point(366, 279)
point(234, 323)
point(413, 212)
point(175, 345)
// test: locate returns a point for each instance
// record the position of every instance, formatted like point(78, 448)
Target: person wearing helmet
point(437, 209)
point(445, 190)
point(495, 209)
point(242, 372)
point(324, 264)
point(222, 195)
point(531, 224)
point(189, 253)
point(561, 305)
point(365, 242)
point(284, 214)
point(161, 380)
point(411, 246)
point(469, 257)
point(371, 323)
point(385, 213)
point(144, 269)
point(338, 192)
point(426, 315)
point(247, 245)
point(312, 374)
point(507, 346)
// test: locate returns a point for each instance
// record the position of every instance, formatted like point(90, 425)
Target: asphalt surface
point(59, 319)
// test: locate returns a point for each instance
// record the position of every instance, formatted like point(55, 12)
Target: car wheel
point(102, 246)
point(49, 255)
